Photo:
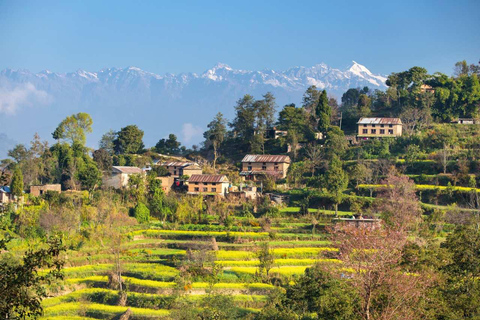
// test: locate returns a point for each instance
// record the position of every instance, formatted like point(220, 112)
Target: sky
point(192, 36)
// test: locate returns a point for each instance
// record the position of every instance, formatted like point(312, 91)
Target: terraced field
point(152, 268)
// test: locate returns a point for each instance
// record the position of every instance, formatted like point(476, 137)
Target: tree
point(310, 99)
point(243, 124)
point(129, 140)
point(141, 213)
point(336, 181)
point(323, 112)
point(265, 259)
point(89, 176)
point(294, 119)
point(215, 135)
point(103, 159)
point(335, 142)
point(461, 69)
point(22, 287)
point(19, 153)
point(168, 146)
point(107, 142)
point(17, 182)
point(74, 128)
point(315, 156)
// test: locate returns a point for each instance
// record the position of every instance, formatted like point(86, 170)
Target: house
point(426, 88)
point(6, 195)
point(120, 176)
point(167, 183)
point(178, 169)
point(39, 190)
point(261, 165)
point(274, 133)
point(465, 121)
point(215, 184)
point(379, 128)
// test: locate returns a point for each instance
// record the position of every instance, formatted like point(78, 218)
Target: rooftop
point(208, 178)
point(265, 158)
point(128, 170)
point(379, 121)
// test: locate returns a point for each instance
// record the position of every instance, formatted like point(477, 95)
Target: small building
point(426, 88)
point(178, 169)
point(167, 183)
point(258, 165)
point(120, 176)
point(213, 184)
point(465, 121)
point(37, 191)
point(6, 195)
point(379, 128)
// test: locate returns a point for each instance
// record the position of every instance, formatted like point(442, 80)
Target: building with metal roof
point(379, 128)
point(255, 166)
point(208, 184)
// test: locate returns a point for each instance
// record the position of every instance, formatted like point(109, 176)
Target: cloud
point(191, 133)
point(22, 95)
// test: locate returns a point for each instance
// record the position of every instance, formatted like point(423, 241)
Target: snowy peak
point(361, 71)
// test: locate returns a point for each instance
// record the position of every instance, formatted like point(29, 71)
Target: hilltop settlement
point(366, 207)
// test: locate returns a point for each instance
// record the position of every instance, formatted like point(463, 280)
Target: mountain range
point(182, 104)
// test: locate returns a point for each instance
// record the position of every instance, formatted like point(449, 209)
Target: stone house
point(178, 169)
point(120, 176)
point(213, 184)
point(40, 190)
point(261, 165)
point(379, 128)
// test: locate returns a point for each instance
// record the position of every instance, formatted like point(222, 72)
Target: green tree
point(89, 176)
point(323, 112)
point(129, 140)
point(74, 128)
point(103, 159)
point(22, 286)
point(336, 181)
point(168, 146)
point(310, 99)
point(141, 213)
point(265, 259)
point(215, 135)
point(17, 182)
point(107, 142)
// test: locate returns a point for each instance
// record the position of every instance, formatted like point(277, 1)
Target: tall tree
point(168, 146)
point(107, 142)
point(129, 140)
point(74, 128)
point(243, 124)
point(310, 99)
point(323, 112)
point(336, 181)
point(215, 135)
point(17, 182)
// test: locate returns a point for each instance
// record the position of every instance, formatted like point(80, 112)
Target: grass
point(72, 308)
point(277, 262)
point(302, 252)
point(284, 271)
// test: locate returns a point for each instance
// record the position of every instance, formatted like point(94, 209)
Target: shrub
point(141, 213)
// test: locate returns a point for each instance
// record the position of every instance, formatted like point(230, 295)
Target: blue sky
point(183, 36)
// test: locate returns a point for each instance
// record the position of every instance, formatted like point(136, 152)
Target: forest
point(383, 228)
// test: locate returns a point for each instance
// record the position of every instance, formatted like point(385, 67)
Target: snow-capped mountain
point(158, 104)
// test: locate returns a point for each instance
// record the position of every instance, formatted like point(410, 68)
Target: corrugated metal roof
point(128, 170)
point(5, 189)
point(208, 178)
point(177, 164)
point(192, 167)
point(379, 121)
point(265, 158)
point(271, 173)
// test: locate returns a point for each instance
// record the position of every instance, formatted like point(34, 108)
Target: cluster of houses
point(189, 175)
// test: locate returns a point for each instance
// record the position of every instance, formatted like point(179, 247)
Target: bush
point(141, 213)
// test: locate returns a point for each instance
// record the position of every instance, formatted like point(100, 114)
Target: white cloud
point(191, 132)
point(11, 99)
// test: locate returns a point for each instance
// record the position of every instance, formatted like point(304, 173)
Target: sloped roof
point(5, 189)
point(127, 170)
point(379, 121)
point(208, 178)
point(265, 158)
point(177, 164)
point(192, 167)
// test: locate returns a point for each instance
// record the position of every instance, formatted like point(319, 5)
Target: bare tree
point(315, 155)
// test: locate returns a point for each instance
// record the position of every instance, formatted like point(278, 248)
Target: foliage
point(141, 213)
point(17, 182)
point(74, 128)
point(129, 140)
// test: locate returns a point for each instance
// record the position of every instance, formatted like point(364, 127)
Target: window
point(373, 126)
point(197, 189)
point(175, 172)
point(390, 131)
point(196, 183)
point(264, 167)
point(374, 131)
point(214, 189)
point(382, 131)
point(205, 189)
point(249, 168)
point(276, 168)
point(390, 125)
point(174, 167)
point(365, 131)
point(213, 184)
point(364, 125)
point(382, 125)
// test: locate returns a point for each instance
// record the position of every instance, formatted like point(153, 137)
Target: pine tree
point(323, 112)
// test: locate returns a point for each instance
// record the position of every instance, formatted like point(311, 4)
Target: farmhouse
point(6, 195)
point(39, 190)
point(379, 127)
point(178, 169)
point(465, 121)
point(216, 184)
point(120, 176)
point(261, 165)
